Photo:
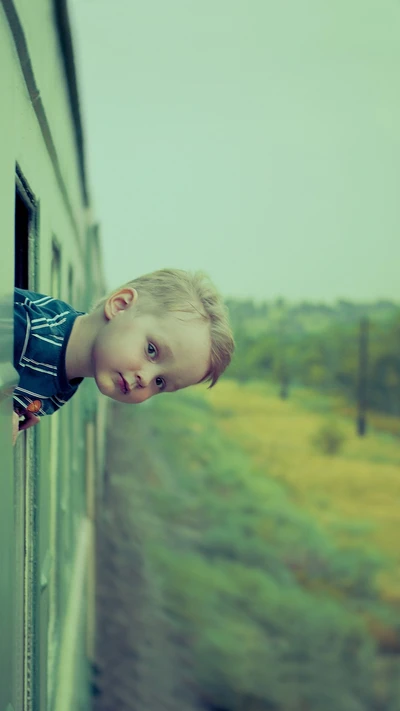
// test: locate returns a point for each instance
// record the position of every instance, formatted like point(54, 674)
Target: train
point(51, 480)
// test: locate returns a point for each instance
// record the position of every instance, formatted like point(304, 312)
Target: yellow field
point(359, 484)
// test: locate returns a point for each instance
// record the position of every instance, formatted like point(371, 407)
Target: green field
point(277, 563)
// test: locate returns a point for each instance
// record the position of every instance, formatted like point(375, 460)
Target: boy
point(159, 333)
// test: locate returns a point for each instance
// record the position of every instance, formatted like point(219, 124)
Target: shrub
point(329, 439)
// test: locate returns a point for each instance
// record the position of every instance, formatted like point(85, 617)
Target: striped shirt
point(42, 327)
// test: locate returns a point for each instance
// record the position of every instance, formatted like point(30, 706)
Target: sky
point(256, 140)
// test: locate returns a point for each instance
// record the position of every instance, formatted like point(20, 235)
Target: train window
point(26, 214)
point(21, 242)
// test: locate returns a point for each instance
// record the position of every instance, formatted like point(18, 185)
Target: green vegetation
point(330, 438)
point(317, 346)
point(278, 609)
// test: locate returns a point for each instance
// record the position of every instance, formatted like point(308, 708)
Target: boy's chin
point(107, 388)
point(116, 398)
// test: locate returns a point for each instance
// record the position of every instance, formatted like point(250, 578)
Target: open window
point(26, 214)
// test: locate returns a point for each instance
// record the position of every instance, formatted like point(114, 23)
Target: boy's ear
point(120, 301)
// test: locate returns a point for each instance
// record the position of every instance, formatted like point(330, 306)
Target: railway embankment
point(139, 665)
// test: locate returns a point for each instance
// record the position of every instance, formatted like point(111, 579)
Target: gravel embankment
point(138, 666)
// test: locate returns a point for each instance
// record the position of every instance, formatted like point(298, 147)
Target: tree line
point(318, 346)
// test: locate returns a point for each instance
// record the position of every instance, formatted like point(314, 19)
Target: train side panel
point(48, 482)
point(11, 603)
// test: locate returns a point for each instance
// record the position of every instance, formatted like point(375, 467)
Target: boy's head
point(163, 331)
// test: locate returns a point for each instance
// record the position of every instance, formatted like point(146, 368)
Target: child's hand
point(29, 421)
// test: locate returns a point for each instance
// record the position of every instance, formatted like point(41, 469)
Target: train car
point(50, 244)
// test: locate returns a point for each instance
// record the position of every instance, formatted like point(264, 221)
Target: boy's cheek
point(141, 396)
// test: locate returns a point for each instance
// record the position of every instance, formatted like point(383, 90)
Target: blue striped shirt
point(42, 327)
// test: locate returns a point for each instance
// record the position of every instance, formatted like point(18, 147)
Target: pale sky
point(257, 140)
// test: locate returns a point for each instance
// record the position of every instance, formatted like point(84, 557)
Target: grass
point(355, 494)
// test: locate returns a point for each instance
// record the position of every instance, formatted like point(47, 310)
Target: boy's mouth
point(124, 387)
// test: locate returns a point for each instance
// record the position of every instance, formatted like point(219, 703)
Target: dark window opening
point(55, 270)
point(23, 218)
point(24, 233)
point(70, 285)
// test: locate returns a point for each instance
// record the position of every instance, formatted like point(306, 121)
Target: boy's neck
point(78, 363)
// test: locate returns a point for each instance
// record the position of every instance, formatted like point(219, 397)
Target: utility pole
point(362, 379)
point(283, 379)
point(283, 368)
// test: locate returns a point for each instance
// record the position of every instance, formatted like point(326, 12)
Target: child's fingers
point(29, 421)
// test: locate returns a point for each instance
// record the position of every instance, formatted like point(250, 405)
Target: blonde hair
point(192, 292)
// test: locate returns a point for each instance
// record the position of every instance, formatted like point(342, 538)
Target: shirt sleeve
point(42, 326)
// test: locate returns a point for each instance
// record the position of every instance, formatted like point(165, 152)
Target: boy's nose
point(143, 379)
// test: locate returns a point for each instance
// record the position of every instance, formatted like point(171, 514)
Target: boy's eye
point(160, 382)
point(151, 350)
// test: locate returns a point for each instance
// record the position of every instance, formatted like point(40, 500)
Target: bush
point(329, 439)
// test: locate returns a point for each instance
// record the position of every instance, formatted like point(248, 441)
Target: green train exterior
point(49, 480)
